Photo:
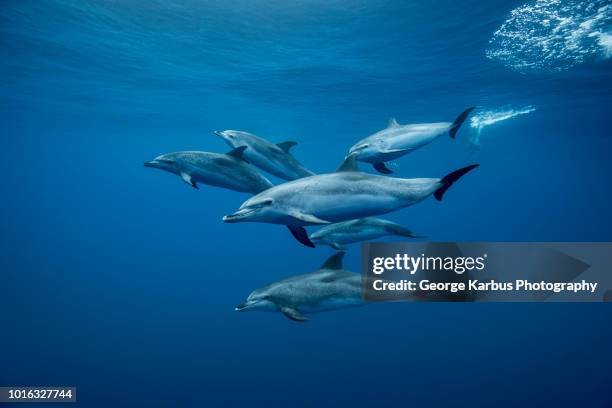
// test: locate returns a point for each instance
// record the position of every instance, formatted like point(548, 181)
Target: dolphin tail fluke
point(301, 235)
point(451, 178)
point(381, 168)
point(459, 121)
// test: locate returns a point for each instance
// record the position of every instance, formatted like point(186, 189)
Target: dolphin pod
point(220, 170)
point(328, 288)
point(344, 195)
point(397, 140)
point(345, 202)
point(362, 229)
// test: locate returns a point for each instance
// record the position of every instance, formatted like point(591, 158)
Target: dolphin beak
point(246, 306)
point(151, 163)
point(219, 133)
point(229, 218)
point(238, 215)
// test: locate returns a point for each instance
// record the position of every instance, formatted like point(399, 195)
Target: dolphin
point(362, 229)
point(344, 195)
point(272, 158)
point(397, 140)
point(328, 288)
point(221, 170)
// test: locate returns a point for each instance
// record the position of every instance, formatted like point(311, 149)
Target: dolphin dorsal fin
point(237, 152)
point(285, 146)
point(349, 164)
point(334, 261)
point(393, 123)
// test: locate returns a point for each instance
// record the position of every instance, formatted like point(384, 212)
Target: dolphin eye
point(168, 161)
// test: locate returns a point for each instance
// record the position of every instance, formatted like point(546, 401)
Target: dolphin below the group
point(397, 140)
point(221, 170)
point(328, 288)
point(359, 230)
point(344, 195)
point(275, 159)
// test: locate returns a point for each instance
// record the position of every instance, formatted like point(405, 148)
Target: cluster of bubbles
point(553, 35)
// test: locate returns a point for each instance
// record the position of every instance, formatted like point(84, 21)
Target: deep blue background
point(121, 280)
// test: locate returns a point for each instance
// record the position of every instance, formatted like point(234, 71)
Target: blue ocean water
point(122, 280)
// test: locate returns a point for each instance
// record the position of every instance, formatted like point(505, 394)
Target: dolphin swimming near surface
point(329, 288)
point(359, 230)
point(397, 140)
point(272, 158)
point(221, 170)
point(344, 195)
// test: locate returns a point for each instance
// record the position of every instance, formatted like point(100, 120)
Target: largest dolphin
point(273, 158)
point(344, 195)
point(221, 170)
point(328, 288)
point(397, 140)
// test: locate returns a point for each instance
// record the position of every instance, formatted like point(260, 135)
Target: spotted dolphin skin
point(344, 195)
point(328, 288)
point(220, 170)
point(272, 158)
point(363, 229)
point(397, 140)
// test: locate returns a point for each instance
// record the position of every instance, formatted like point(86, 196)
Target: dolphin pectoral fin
point(301, 235)
point(286, 146)
point(293, 314)
point(187, 179)
point(381, 168)
point(403, 232)
point(395, 151)
point(309, 218)
point(337, 246)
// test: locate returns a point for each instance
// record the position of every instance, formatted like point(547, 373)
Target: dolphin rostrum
point(221, 170)
point(397, 140)
point(330, 287)
point(344, 195)
point(272, 158)
point(362, 229)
